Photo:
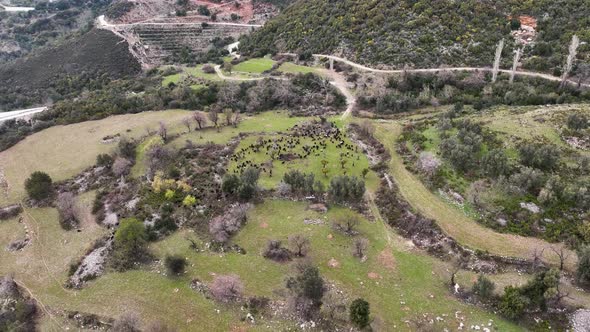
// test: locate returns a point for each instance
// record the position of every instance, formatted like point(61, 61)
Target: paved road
point(27, 113)
point(16, 9)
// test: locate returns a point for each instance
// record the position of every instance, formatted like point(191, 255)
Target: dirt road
point(435, 70)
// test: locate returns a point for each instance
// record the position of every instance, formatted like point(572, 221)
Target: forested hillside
point(426, 33)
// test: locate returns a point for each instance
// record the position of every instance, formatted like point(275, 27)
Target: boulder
point(321, 208)
point(531, 207)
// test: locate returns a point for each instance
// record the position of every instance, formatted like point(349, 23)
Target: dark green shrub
point(39, 186)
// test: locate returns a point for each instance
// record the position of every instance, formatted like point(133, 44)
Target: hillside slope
point(55, 72)
point(425, 33)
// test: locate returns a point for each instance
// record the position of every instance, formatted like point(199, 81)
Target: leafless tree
point(229, 95)
point(428, 163)
point(347, 225)
point(121, 166)
point(237, 118)
point(128, 322)
point(157, 158)
point(497, 59)
point(229, 114)
point(214, 117)
point(227, 288)
point(208, 69)
point(187, 122)
point(299, 245)
point(515, 61)
point(367, 128)
point(200, 119)
point(562, 254)
point(68, 210)
point(359, 247)
point(276, 252)
point(159, 326)
point(224, 226)
point(583, 73)
point(569, 63)
point(334, 306)
point(537, 258)
point(163, 131)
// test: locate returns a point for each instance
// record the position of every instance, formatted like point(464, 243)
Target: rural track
point(437, 70)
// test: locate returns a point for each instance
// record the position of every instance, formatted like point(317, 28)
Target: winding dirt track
point(436, 70)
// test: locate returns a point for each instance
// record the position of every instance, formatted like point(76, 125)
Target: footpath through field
point(453, 221)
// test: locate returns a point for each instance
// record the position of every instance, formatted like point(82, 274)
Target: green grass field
point(194, 72)
point(312, 164)
point(399, 284)
point(254, 66)
point(274, 121)
point(64, 151)
point(291, 68)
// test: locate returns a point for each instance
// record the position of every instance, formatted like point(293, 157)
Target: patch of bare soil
point(386, 259)
point(333, 263)
point(374, 275)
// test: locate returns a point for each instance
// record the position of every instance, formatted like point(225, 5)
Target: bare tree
point(159, 326)
point(200, 119)
point(347, 225)
point(227, 288)
point(128, 322)
point(497, 59)
point(157, 158)
point(68, 210)
point(229, 113)
point(121, 166)
point(517, 54)
point(428, 163)
point(583, 73)
point(573, 51)
point(214, 117)
point(187, 122)
point(163, 131)
point(229, 95)
point(359, 247)
point(275, 251)
point(237, 118)
point(563, 256)
point(224, 226)
point(537, 258)
point(299, 245)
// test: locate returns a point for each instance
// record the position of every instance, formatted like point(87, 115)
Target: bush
point(39, 186)
point(577, 122)
point(541, 156)
point(276, 252)
point(104, 160)
point(583, 270)
point(227, 288)
point(359, 313)
point(68, 210)
point(483, 287)
point(130, 245)
point(308, 283)
point(346, 189)
point(513, 304)
point(175, 264)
